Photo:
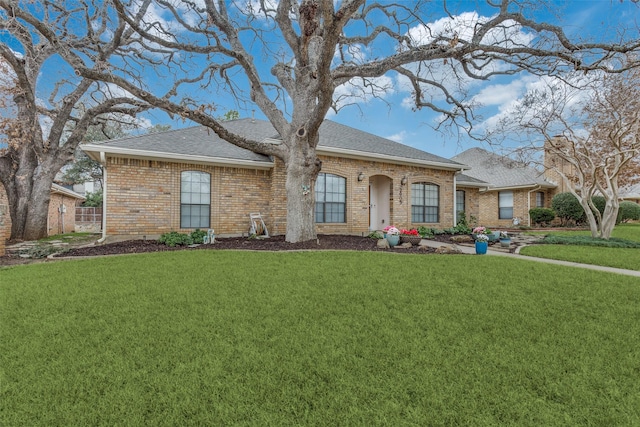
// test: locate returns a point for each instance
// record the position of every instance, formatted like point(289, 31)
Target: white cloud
point(398, 137)
point(448, 72)
point(556, 91)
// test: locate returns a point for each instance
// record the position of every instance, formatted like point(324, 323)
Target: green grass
point(621, 251)
point(317, 338)
point(629, 231)
point(610, 257)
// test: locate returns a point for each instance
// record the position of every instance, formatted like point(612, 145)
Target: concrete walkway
point(470, 249)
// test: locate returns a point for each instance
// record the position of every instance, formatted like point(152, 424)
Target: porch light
point(360, 176)
point(403, 181)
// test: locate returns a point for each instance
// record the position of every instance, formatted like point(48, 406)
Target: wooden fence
point(88, 215)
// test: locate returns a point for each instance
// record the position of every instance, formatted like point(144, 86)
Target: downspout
point(529, 203)
point(103, 161)
point(455, 198)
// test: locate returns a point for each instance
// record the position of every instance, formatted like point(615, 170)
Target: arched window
point(425, 202)
point(195, 199)
point(331, 196)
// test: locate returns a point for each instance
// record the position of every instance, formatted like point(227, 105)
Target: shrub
point(93, 200)
point(174, 238)
point(629, 211)
point(599, 203)
point(425, 232)
point(567, 208)
point(197, 235)
point(375, 235)
point(542, 215)
point(462, 226)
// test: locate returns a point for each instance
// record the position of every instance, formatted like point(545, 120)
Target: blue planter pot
point(481, 247)
point(393, 240)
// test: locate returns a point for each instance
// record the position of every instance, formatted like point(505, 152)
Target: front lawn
point(628, 259)
point(317, 338)
point(578, 246)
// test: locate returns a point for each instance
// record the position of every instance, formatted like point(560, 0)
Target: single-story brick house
point(61, 217)
point(190, 178)
point(505, 189)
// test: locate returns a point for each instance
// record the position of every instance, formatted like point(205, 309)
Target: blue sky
point(393, 117)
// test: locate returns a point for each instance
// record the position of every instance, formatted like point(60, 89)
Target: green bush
point(542, 216)
point(93, 200)
point(599, 203)
point(174, 238)
point(425, 232)
point(555, 239)
point(567, 208)
point(629, 211)
point(375, 235)
point(462, 226)
point(198, 235)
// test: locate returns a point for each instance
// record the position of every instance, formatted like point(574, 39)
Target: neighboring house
point(510, 188)
point(62, 212)
point(190, 178)
point(630, 193)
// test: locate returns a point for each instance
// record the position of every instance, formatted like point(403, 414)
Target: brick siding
point(143, 197)
point(489, 213)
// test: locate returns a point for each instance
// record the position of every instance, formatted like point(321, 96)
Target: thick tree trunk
point(28, 192)
point(29, 209)
point(302, 172)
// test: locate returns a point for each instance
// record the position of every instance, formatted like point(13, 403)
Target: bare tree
point(296, 60)
point(591, 132)
point(47, 108)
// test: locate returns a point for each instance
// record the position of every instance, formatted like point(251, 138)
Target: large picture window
point(195, 199)
point(425, 202)
point(505, 204)
point(331, 196)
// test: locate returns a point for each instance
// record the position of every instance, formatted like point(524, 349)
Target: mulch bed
point(274, 243)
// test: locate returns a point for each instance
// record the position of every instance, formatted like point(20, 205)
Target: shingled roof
point(500, 171)
point(201, 144)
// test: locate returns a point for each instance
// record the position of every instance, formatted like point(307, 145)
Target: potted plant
point(411, 236)
point(505, 240)
point(392, 235)
point(482, 240)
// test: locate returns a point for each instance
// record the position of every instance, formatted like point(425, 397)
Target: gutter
point(103, 162)
point(92, 149)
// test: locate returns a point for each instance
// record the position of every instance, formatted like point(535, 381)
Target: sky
point(394, 118)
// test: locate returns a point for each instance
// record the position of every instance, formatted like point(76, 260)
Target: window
point(459, 202)
point(331, 196)
point(540, 199)
point(505, 204)
point(425, 202)
point(195, 199)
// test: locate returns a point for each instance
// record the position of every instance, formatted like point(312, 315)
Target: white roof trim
point(222, 161)
point(520, 187)
point(173, 157)
point(362, 155)
point(60, 189)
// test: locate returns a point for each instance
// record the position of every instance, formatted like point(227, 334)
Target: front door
point(379, 206)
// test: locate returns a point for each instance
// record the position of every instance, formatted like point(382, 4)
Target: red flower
point(412, 232)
